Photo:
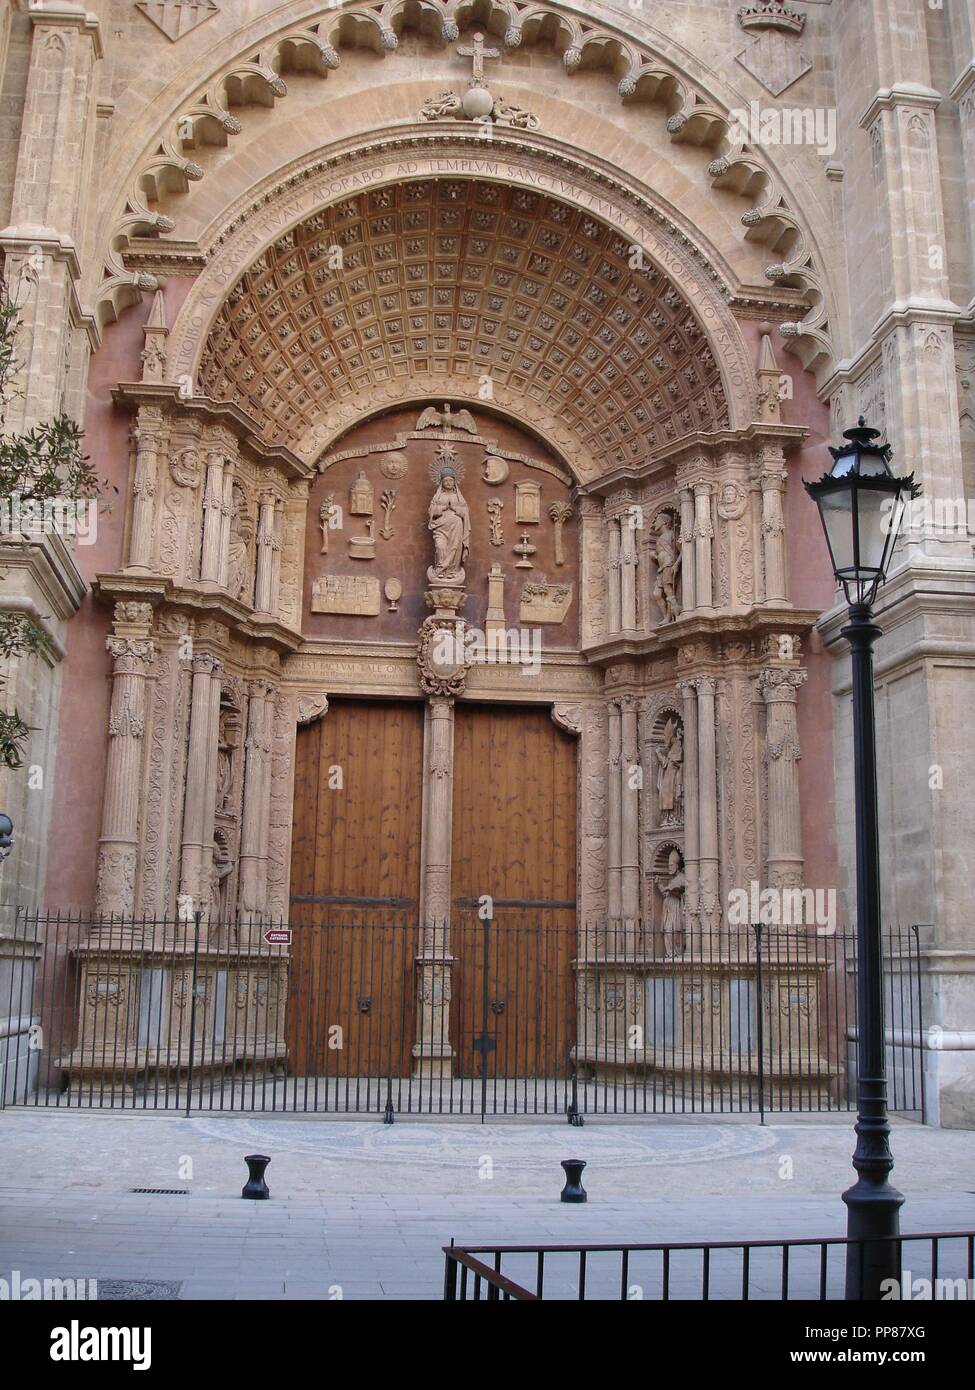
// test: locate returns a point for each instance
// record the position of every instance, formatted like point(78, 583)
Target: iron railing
point(527, 1014)
point(936, 1265)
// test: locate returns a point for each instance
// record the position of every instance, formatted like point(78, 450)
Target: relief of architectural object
point(495, 470)
point(494, 620)
point(388, 503)
point(560, 513)
point(449, 520)
point(528, 504)
point(494, 506)
point(542, 602)
point(363, 547)
point(352, 595)
point(524, 549)
point(361, 496)
point(431, 416)
point(393, 465)
point(665, 554)
point(393, 592)
point(670, 775)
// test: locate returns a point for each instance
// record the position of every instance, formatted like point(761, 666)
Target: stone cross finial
point(478, 52)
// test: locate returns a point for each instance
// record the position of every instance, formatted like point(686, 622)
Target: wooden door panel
point(354, 889)
point(514, 839)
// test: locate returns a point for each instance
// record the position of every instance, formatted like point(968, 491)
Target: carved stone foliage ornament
point(494, 506)
point(176, 18)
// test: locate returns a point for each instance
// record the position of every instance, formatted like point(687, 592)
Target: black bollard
point(573, 1190)
point(255, 1187)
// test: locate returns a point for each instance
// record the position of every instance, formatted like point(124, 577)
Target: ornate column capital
point(131, 656)
point(780, 684)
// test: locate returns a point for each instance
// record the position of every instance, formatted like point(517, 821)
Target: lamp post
point(6, 835)
point(861, 505)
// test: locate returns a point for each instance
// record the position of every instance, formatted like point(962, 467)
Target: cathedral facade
point(452, 368)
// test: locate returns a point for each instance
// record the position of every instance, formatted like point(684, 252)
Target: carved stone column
point(629, 814)
point(692, 825)
point(210, 560)
point(615, 578)
point(277, 528)
point(148, 443)
point(432, 1049)
point(256, 808)
point(780, 690)
point(198, 812)
point(226, 520)
point(132, 652)
point(628, 561)
point(773, 477)
point(687, 561)
point(615, 847)
point(708, 885)
point(703, 537)
point(264, 560)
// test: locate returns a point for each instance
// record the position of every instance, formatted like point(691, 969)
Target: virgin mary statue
point(450, 522)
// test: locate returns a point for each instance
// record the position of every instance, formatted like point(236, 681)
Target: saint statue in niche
point(450, 522)
point(666, 557)
point(670, 775)
point(672, 917)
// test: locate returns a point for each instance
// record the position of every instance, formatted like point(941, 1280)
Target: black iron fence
point(939, 1266)
point(373, 1014)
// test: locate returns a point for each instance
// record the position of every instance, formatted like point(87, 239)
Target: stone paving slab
point(368, 1208)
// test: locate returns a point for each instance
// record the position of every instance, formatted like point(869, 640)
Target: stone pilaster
point(629, 811)
point(687, 560)
point(615, 577)
point(628, 576)
point(198, 811)
point(226, 519)
point(432, 1051)
point(614, 905)
point(780, 691)
point(264, 560)
point(132, 652)
point(50, 199)
point(692, 827)
point(772, 476)
point(708, 881)
point(256, 805)
point(703, 541)
point(148, 446)
point(210, 559)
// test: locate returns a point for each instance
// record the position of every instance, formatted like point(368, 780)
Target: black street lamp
point(861, 505)
point(6, 835)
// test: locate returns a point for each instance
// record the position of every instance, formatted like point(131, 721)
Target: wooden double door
point(355, 889)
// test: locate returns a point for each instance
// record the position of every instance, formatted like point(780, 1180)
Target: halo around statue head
point(446, 464)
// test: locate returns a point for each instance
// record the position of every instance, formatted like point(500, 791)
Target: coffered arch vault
point(469, 279)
